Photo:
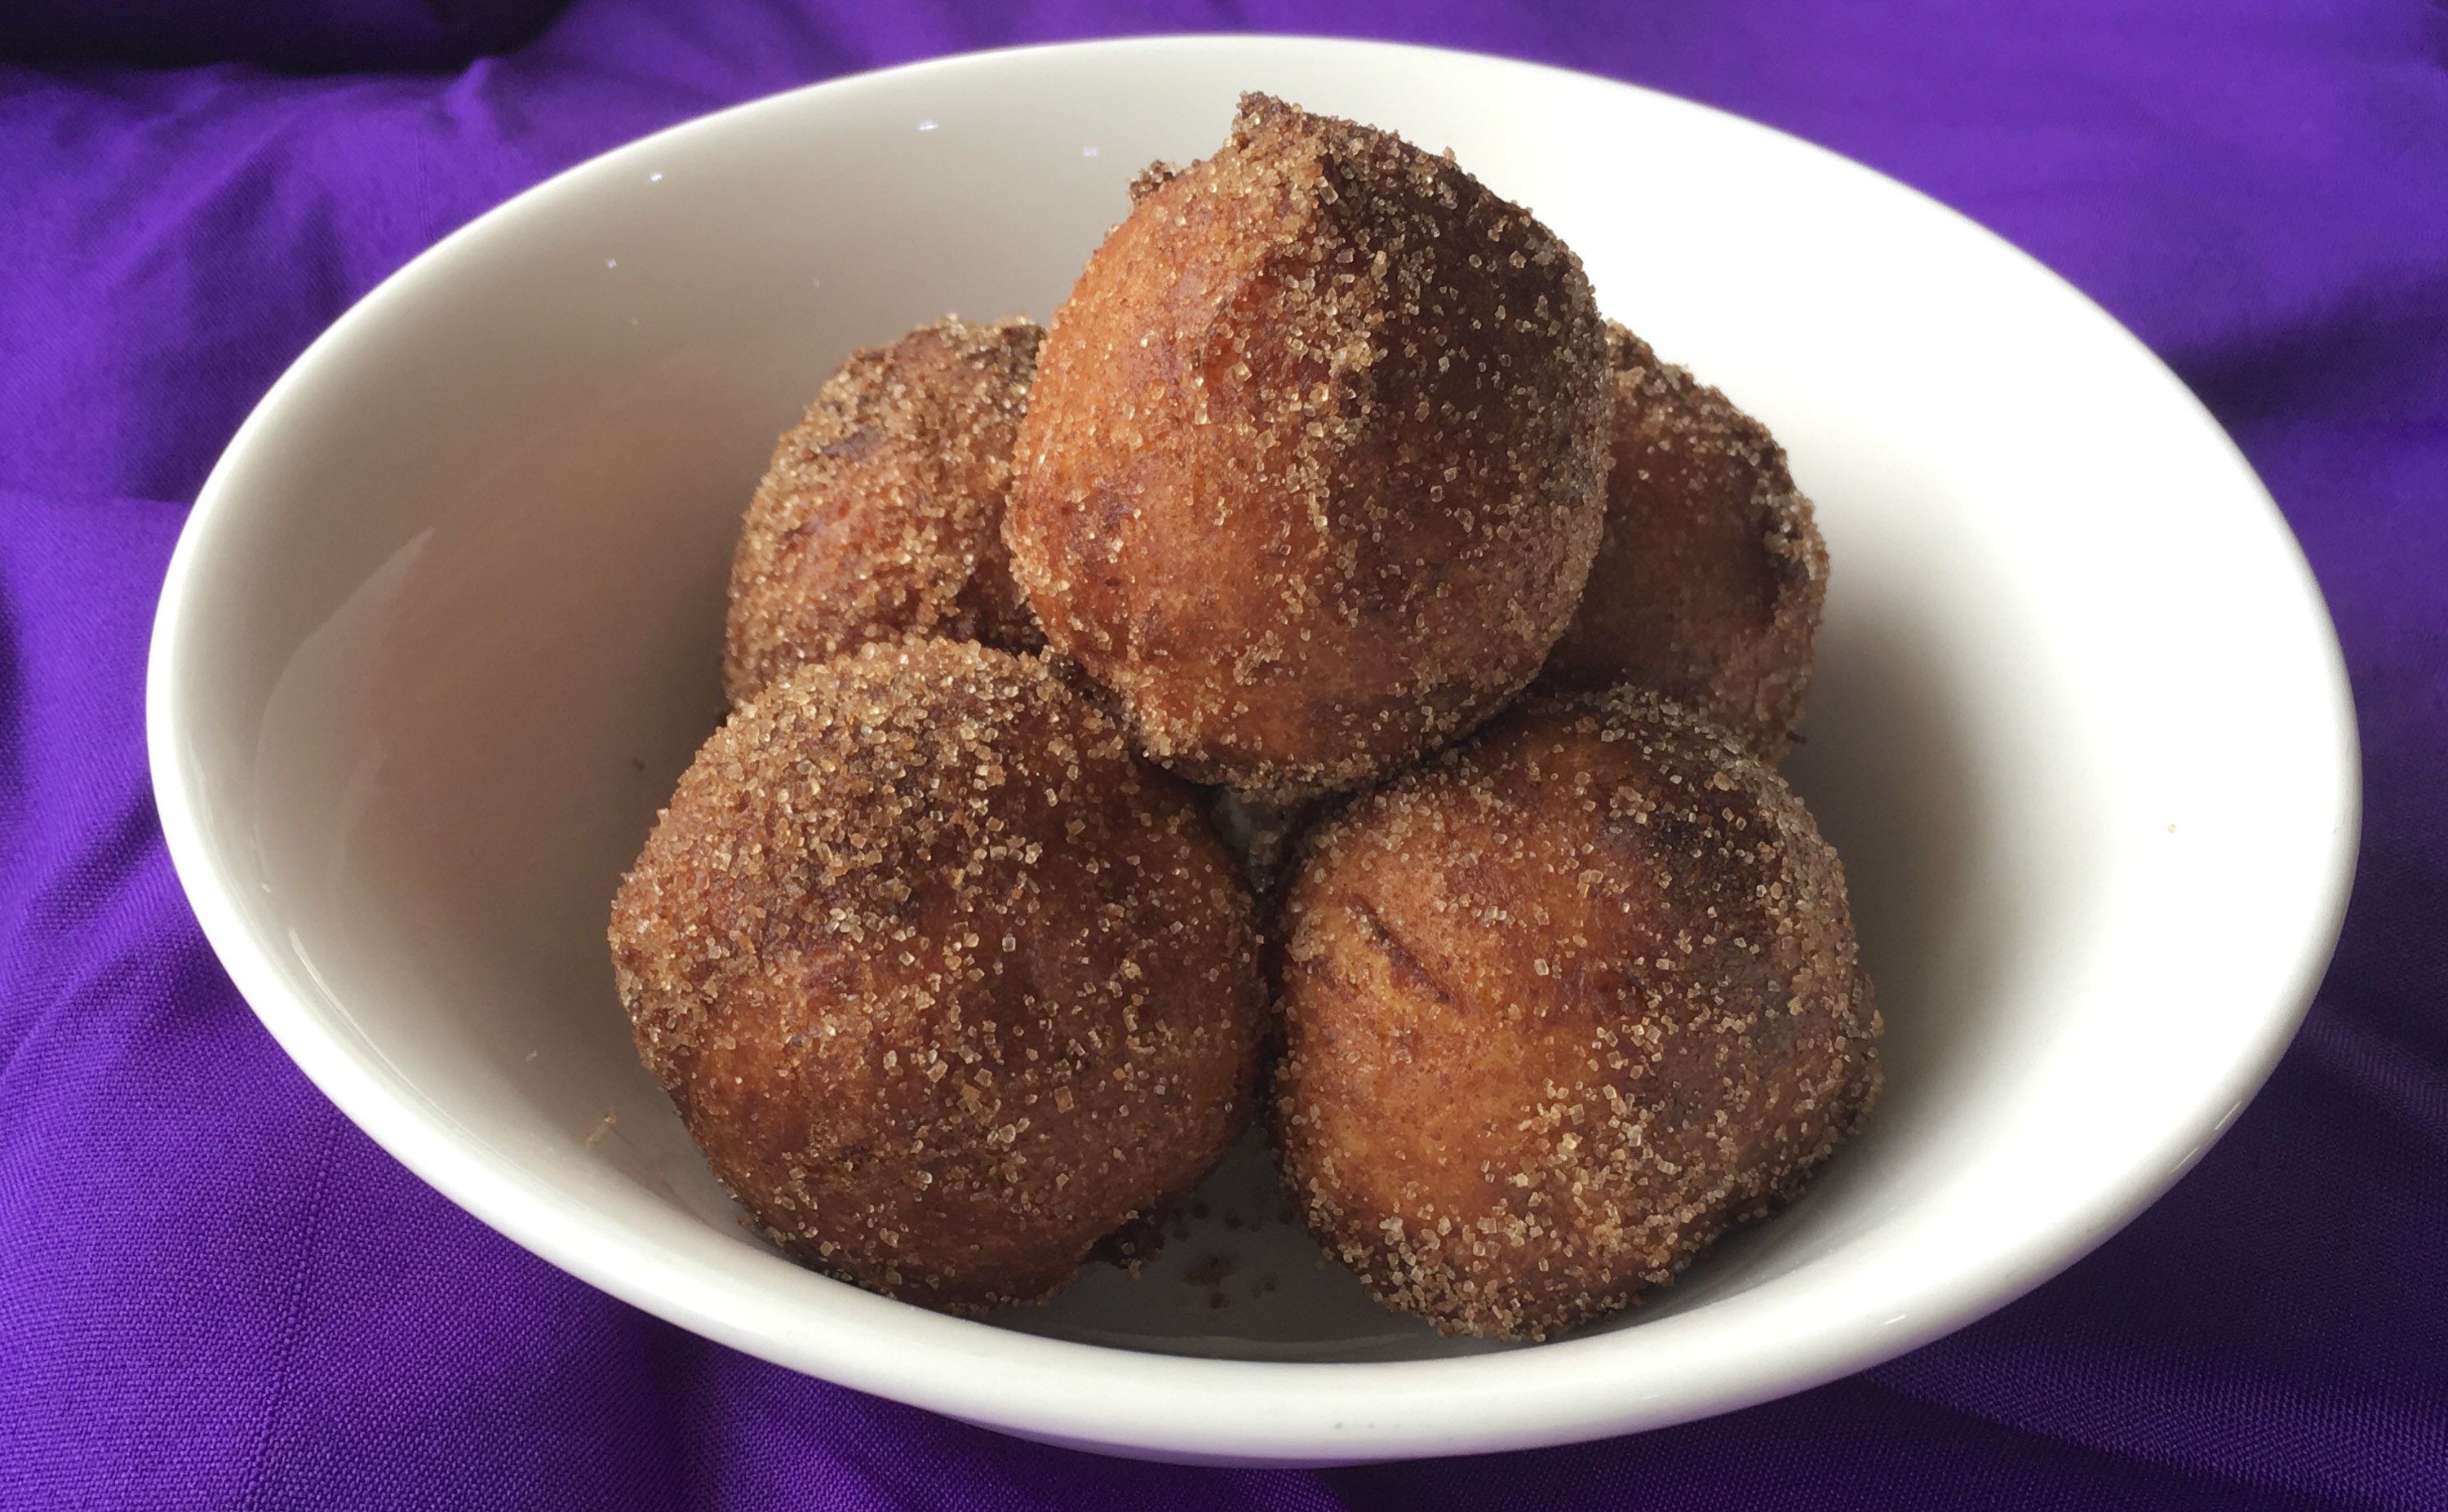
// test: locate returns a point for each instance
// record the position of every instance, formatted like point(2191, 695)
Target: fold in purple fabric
point(215, 1292)
point(307, 35)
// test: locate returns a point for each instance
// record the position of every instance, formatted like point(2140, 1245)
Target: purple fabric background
point(214, 1292)
point(307, 35)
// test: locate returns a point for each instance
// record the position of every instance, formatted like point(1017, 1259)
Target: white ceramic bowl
point(443, 629)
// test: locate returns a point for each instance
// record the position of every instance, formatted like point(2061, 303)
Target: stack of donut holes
point(1328, 499)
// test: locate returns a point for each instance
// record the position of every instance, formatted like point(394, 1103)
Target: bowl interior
point(445, 629)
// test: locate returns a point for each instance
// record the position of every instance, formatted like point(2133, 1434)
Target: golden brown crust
point(1313, 468)
point(948, 984)
point(882, 513)
point(1558, 1009)
point(1712, 574)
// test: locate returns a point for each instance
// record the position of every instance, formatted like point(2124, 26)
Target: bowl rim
point(1083, 1394)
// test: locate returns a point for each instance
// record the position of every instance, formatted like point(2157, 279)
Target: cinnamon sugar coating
point(1712, 574)
point(1558, 1009)
point(1314, 465)
point(948, 984)
point(882, 513)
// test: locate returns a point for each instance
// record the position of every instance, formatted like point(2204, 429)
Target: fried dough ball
point(1315, 462)
point(1561, 1007)
point(1712, 574)
point(948, 984)
point(882, 513)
